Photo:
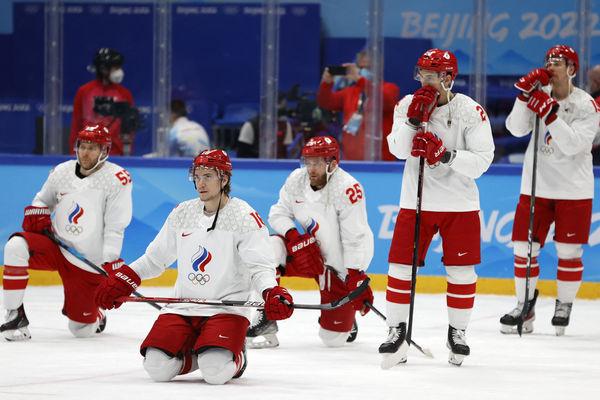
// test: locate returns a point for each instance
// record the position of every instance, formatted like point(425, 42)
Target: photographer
point(105, 101)
point(352, 101)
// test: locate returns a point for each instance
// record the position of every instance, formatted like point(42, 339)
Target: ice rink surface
point(55, 365)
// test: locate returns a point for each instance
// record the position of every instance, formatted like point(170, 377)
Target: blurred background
point(245, 75)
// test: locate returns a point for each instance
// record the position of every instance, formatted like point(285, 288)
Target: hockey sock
point(15, 276)
point(460, 294)
point(568, 279)
point(397, 294)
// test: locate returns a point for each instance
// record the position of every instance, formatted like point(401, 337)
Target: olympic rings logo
point(199, 278)
point(546, 150)
point(74, 229)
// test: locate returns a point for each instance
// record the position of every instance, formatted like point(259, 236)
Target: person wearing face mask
point(106, 88)
point(352, 101)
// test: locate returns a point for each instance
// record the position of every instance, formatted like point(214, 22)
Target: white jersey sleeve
point(400, 138)
point(478, 154)
point(160, 253)
point(519, 121)
point(46, 197)
point(117, 217)
point(281, 214)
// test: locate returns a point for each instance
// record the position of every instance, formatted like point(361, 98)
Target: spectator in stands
point(594, 78)
point(186, 138)
point(351, 101)
point(247, 142)
point(106, 102)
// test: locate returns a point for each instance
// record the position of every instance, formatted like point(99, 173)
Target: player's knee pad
point(400, 271)
point(522, 248)
point(160, 366)
point(16, 252)
point(568, 251)
point(81, 330)
point(217, 365)
point(333, 339)
point(279, 249)
point(462, 274)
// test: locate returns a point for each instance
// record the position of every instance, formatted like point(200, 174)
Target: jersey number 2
point(354, 193)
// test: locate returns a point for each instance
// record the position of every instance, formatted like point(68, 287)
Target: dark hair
point(178, 108)
point(227, 188)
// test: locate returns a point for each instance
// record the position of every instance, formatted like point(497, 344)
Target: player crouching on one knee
point(223, 253)
point(85, 203)
point(335, 250)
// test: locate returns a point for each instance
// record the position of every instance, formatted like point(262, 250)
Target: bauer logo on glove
point(305, 243)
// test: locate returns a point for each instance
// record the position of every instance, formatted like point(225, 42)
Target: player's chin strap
point(328, 173)
point(103, 157)
point(447, 90)
point(214, 224)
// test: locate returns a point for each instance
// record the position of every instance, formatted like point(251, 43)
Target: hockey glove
point(37, 219)
point(119, 284)
point(304, 254)
point(528, 82)
point(435, 148)
point(419, 146)
point(275, 308)
point(422, 105)
point(112, 266)
point(353, 280)
point(543, 105)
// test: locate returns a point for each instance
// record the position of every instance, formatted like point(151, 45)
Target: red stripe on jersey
point(460, 302)
point(399, 284)
point(398, 298)
point(454, 288)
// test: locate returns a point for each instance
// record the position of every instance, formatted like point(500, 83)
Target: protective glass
point(204, 175)
point(555, 62)
point(423, 75)
point(313, 162)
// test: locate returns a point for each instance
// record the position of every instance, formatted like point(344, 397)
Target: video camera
point(129, 116)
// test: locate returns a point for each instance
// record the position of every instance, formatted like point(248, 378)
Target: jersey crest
point(200, 259)
point(75, 212)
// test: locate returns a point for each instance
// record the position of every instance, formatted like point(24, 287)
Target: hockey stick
point(96, 268)
point(525, 310)
point(253, 304)
point(426, 352)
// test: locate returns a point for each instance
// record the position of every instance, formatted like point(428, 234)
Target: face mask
point(116, 76)
point(365, 73)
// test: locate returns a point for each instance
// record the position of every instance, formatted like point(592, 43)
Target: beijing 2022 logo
point(75, 214)
point(199, 261)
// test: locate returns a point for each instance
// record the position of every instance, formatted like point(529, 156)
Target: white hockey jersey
point(227, 263)
point(463, 125)
point(564, 164)
point(336, 215)
point(90, 214)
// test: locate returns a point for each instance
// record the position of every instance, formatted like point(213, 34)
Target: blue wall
point(160, 184)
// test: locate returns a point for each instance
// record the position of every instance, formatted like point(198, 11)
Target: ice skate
point(262, 333)
point(15, 328)
point(457, 345)
point(244, 364)
point(353, 333)
point(510, 321)
point(101, 321)
point(562, 313)
point(394, 349)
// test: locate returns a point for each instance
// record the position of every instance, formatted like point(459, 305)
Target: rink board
point(160, 184)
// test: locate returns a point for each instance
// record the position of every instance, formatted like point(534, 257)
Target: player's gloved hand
point(435, 148)
point(37, 219)
point(353, 280)
point(422, 105)
point(543, 105)
point(119, 284)
point(304, 253)
point(275, 308)
point(111, 266)
point(528, 82)
point(419, 146)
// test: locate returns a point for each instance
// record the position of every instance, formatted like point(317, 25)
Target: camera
point(129, 116)
point(336, 69)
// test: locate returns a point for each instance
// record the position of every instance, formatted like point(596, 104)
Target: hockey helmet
point(98, 134)
point(439, 61)
point(565, 52)
point(322, 146)
point(215, 158)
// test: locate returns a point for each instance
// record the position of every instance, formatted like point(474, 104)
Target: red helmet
point(440, 61)
point(321, 146)
point(215, 158)
point(96, 134)
point(566, 52)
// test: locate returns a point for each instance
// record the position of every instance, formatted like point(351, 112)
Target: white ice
point(538, 366)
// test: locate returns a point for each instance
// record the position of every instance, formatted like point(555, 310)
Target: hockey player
point(222, 252)
point(330, 205)
point(568, 120)
point(85, 203)
point(458, 147)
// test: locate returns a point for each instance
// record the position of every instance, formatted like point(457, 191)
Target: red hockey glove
point(112, 266)
point(37, 219)
point(435, 147)
point(528, 82)
point(543, 105)
point(422, 105)
point(353, 280)
point(419, 146)
point(119, 284)
point(275, 308)
point(304, 254)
